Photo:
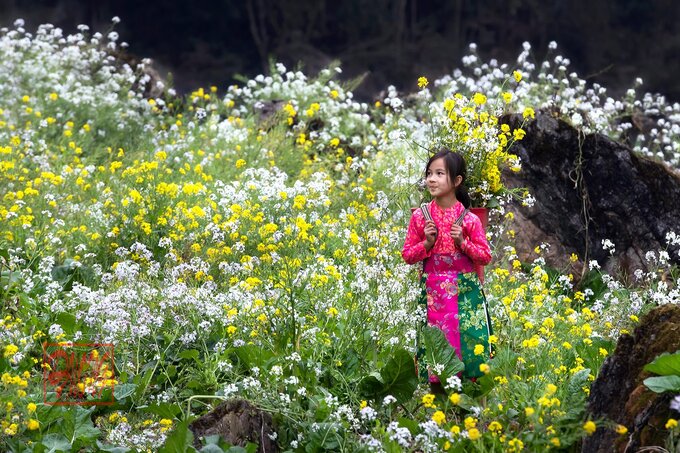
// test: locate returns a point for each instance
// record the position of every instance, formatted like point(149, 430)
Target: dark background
point(204, 42)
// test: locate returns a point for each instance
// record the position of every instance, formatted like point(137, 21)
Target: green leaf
point(439, 351)
point(665, 365)
point(122, 391)
point(111, 449)
point(371, 385)
point(409, 424)
point(467, 402)
point(660, 384)
point(350, 364)
point(164, 410)
point(56, 442)
point(77, 425)
point(189, 354)
point(67, 321)
point(577, 381)
point(399, 376)
point(180, 440)
point(211, 448)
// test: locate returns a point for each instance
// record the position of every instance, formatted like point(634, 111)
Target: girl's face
point(438, 181)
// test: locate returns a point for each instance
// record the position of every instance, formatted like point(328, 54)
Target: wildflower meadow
point(245, 242)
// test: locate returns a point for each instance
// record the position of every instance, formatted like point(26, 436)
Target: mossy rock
point(619, 395)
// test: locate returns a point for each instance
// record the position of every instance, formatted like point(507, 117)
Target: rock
point(619, 395)
point(589, 188)
point(237, 422)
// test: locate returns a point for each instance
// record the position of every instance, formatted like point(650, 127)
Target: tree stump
point(237, 422)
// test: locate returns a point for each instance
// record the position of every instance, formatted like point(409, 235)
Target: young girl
point(450, 245)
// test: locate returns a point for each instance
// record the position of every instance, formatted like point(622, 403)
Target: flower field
point(245, 242)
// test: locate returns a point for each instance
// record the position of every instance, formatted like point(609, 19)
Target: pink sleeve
point(414, 248)
point(476, 247)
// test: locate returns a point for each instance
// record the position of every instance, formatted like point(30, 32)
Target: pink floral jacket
point(475, 246)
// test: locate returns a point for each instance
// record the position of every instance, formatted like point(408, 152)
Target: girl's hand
point(457, 234)
point(430, 234)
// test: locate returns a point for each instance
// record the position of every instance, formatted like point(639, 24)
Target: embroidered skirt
point(456, 305)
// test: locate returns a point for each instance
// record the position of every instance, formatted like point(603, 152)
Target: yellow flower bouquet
point(471, 127)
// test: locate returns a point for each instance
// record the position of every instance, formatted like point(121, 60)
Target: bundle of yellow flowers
point(471, 127)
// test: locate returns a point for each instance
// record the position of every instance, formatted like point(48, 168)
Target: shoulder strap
point(459, 220)
point(425, 208)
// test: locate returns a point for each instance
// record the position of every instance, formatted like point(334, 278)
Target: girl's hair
point(455, 166)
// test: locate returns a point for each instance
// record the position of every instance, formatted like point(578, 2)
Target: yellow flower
point(439, 417)
point(515, 445)
point(422, 82)
point(454, 398)
point(518, 134)
point(555, 441)
point(474, 434)
point(671, 423)
point(573, 258)
point(32, 424)
point(517, 75)
point(529, 411)
point(31, 407)
point(484, 368)
point(240, 163)
point(10, 350)
point(470, 423)
point(364, 403)
point(528, 113)
point(479, 349)
point(507, 97)
point(494, 426)
point(479, 99)
point(621, 429)
point(428, 400)
point(589, 427)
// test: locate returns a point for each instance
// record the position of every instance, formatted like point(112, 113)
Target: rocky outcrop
point(619, 395)
point(238, 422)
point(589, 188)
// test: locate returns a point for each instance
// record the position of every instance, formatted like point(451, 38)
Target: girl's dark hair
point(455, 165)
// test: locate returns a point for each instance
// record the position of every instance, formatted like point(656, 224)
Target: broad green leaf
point(409, 424)
point(439, 351)
point(660, 384)
point(211, 448)
point(56, 442)
point(371, 385)
point(111, 449)
point(77, 425)
point(164, 410)
point(122, 391)
point(665, 365)
point(180, 440)
point(67, 321)
point(399, 376)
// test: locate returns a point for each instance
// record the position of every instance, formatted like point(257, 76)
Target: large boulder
point(589, 188)
point(619, 395)
point(238, 422)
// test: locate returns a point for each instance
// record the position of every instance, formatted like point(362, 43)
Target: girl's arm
point(476, 247)
point(414, 246)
